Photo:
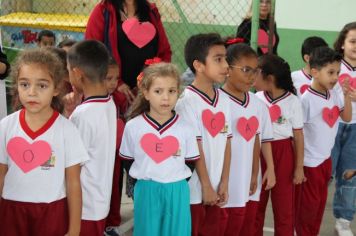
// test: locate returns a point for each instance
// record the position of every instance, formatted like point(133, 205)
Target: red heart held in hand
point(28, 156)
point(159, 149)
point(214, 123)
point(352, 80)
point(330, 116)
point(138, 33)
point(247, 127)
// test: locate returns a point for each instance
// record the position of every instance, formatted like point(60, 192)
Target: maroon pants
point(231, 220)
point(23, 218)
point(206, 220)
point(92, 227)
point(248, 227)
point(311, 199)
point(282, 194)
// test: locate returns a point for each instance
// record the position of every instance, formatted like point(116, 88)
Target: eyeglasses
point(248, 70)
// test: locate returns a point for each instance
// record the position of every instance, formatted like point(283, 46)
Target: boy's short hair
point(45, 33)
point(112, 62)
point(197, 47)
point(322, 56)
point(67, 43)
point(90, 56)
point(311, 43)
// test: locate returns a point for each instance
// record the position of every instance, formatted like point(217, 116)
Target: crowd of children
point(206, 158)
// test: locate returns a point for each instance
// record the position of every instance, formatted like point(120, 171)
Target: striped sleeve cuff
point(188, 159)
point(125, 157)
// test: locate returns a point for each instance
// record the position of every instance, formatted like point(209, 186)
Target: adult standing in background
point(131, 43)
point(4, 71)
point(244, 29)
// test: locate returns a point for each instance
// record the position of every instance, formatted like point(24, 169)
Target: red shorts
point(25, 218)
point(92, 227)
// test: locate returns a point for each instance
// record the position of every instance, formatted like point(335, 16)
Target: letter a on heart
point(213, 123)
point(247, 127)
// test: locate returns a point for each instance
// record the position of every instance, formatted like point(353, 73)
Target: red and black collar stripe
point(103, 99)
point(317, 93)
point(280, 98)
point(160, 128)
point(309, 77)
point(348, 66)
point(213, 102)
point(243, 103)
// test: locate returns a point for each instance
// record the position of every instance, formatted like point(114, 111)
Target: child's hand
point(299, 176)
point(253, 185)
point(223, 194)
point(269, 178)
point(346, 88)
point(71, 101)
point(210, 197)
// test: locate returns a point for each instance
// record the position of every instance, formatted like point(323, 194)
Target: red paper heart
point(28, 156)
point(247, 128)
point(138, 33)
point(159, 149)
point(274, 112)
point(263, 40)
point(330, 116)
point(303, 88)
point(214, 123)
point(352, 80)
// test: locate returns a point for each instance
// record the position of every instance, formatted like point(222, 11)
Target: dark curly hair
point(342, 36)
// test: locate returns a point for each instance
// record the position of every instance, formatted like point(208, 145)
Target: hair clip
point(234, 41)
point(139, 78)
point(152, 61)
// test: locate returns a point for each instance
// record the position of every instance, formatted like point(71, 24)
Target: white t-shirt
point(245, 126)
point(319, 136)
point(210, 122)
point(301, 81)
point(346, 68)
point(266, 135)
point(286, 114)
point(159, 151)
point(35, 175)
point(96, 122)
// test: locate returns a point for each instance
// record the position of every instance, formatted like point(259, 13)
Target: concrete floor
point(327, 228)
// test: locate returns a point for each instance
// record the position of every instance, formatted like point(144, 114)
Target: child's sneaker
point(342, 227)
point(111, 231)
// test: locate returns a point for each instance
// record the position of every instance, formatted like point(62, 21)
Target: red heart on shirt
point(352, 80)
point(139, 33)
point(214, 123)
point(28, 156)
point(330, 116)
point(159, 149)
point(263, 40)
point(274, 112)
point(303, 88)
point(247, 127)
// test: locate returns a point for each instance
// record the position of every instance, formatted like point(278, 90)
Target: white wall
point(324, 15)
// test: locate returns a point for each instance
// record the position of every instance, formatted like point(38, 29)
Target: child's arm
point(299, 157)
point(74, 198)
point(269, 176)
point(209, 195)
point(349, 93)
point(255, 165)
point(3, 171)
point(224, 181)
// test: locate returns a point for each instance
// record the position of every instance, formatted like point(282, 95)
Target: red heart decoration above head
point(352, 80)
point(330, 116)
point(247, 127)
point(28, 156)
point(213, 123)
point(274, 112)
point(159, 149)
point(262, 40)
point(138, 33)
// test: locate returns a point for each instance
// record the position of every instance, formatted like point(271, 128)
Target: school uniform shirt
point(285, 112)
point(209, 119)
point(347, 69)
point(320, 113)
point(245, 126)
point(159, 151)
point(96, 122)
point(266, 135)
point(37, 160)
point(301, 81)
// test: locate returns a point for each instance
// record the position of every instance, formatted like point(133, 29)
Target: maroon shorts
point(24, 218)
point(92, 227)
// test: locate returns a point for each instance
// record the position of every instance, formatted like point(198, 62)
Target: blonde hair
point(50, 62)
point(150, 73)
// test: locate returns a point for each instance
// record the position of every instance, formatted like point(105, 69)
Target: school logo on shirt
point(177, 154)
point(50, 163)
